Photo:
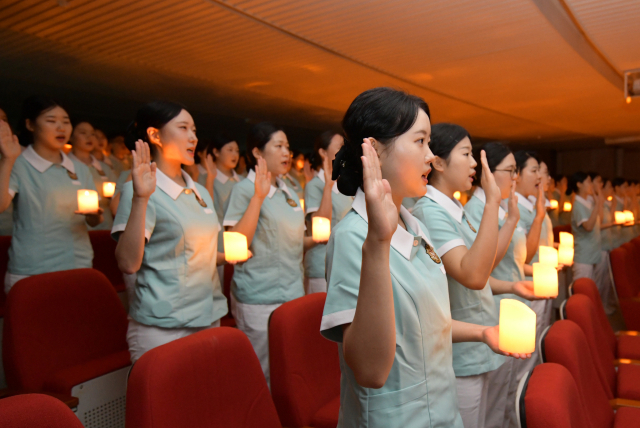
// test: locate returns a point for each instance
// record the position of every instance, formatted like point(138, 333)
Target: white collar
point(41, 164)
point(402, 240)
point(586, 202)
point(479, 193)
point(524, 202)
point(320, 175)
point(201, 169)
point(453, 207)
point(533, 200)
point(223, 178)
point(251, 176)
point(94, 162)
point(172, 188)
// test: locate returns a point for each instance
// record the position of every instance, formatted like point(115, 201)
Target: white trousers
point(472, 399)
point(582, 270)
point(142, 338)
point(498, 382)
point(11, 279)
point(602, 278)
point(316, 285)
point(253, 320)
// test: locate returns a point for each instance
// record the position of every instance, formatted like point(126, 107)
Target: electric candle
point(235, 247)
point(457, 195)
point(548, 256)
point(565, 255)
point(517, 333)
point(567, 206)
point(566, 239)
point(610, 198)
point(87, 201)
point(620, 217)
point(554, 204)
point(545, 280)
point(321, 229)
point(108, 188)
point(628, 216)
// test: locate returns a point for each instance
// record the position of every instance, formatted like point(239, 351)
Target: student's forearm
point(499, 286)
point(369, 342)
point(6, 165)
point(249, 221)
point(113, 205)
point(533, 237)
point(528, 270)
point(466, 332)
point(325, 204)
point(130, 248)
point(478, 261)
point(504, 239)
point(309, 243)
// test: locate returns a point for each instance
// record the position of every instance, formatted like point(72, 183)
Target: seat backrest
point(209, 379)
point(552, 399)
point(305, 367)
point(619, 265)
point(579, 309)
point(36, 411)
point(59, 320)
point(565, 344)
point(587, 287)
point(5, 243)
point(104, 256)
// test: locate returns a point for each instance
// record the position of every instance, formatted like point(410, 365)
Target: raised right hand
point(143, 171)
point(514, 211)
point(381, 211)
point(9, 145)
point(263, 179)
point(327, 167)
point(488, 181)
point(541, 209)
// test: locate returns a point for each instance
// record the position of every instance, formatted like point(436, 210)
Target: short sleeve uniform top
point(587, 245)
point(314, 259)
point(511, 267)
point(546, 230)
point(47, 234)
point(608, 235)
point(177, 285)
point(451, 227)
point(420, 390)
point(274, 273)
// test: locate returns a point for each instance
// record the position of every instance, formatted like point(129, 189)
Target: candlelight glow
point(108, 188)
point(567, 206)
point(565, 255)
point(610, 198)
point(457, 195)
point(302, 204)
point(620, 217)
point(321, 229)
point(235, 247)
point(87, 201)
point(628, 216)
point(517, 333)
point(548, 256)
point(554, 204)
point(566, 239)
point(545, 280)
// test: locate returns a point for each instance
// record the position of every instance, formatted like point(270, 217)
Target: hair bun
point(347, 169)
point(131, 135)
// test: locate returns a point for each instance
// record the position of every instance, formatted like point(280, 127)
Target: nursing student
point(268, 213)
point(620, 203)
point(6, 217)
point(323, 199)
point(387, 302)
point(502, 164)
point(167, 233)
point(469, 253)
point(43, 183)
point(83, 143)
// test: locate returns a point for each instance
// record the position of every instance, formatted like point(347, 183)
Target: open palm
point(143, 172)
point(381, 211)
point(9, 146)
point(488, 181)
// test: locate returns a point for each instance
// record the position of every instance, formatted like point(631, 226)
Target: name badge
point(208, 211)
point(76, 182)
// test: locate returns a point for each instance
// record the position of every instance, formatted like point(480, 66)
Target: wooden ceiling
point(518, 70)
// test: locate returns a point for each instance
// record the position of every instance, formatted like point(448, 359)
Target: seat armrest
point(616, 403)
point(627, 333)
point(71, 402)
point(621, 361)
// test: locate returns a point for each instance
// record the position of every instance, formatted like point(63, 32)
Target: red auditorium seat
point(5, 243)
point(626, 270)
point(227, 320)
point(65, 333)
point(104, 257)
point(623, 383)
point(36, 411)
point(623, 344)
point(566, 344)
point(305, 368)
point(209, 379)
point(558, 229)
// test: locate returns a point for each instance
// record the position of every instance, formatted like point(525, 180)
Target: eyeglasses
point(512, 171)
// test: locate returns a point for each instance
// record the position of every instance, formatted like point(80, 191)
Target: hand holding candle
point(108, 189)
point(321, 229)
point(235, 247)
point(87, 202)
point(517, 334)
point(545, 280)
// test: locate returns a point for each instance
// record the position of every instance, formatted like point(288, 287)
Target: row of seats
point(590, 376)
point(65, 335)
point(625, 265)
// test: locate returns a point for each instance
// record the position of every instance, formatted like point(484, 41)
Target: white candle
point(87, 201)
point(566, 239)
point(554, 204)
point(567, 206)
point(457, 195)
point(517, 334)
point(621, 217)
point(548, 256)
point(108, 189)
point(565, 255)
point(235, 247)
point(545, 280)
point(321, 229)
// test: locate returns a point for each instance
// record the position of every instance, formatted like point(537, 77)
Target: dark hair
point(618, 181)
point(380, 113)
point(32, 108)
point(577, 177)
point(444, 138)
point(496, 152)
point(558, 177)
point(259, 135)
point(322, 142)
point(522, 156)
point(219, 141)
point(593, 175)
point(155, 114)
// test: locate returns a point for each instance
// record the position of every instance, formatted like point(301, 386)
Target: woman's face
point(544, 176)
point(597, 184)
point(407, 163)
point(176, 140)
point(275, 153)
point(529, 178)
point(51, 129)
point(607, 190)
point(335, 145)
point(83, 138)
point(227, 157)
point(504, 175)
point(621, 190)
point(586, 187)
point(459, 169)
point(101, 140)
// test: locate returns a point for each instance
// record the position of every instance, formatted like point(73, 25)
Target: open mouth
point(61, 138)
point(191, 152)
point(425, 176)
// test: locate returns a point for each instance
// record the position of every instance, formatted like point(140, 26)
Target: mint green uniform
point(587, 245)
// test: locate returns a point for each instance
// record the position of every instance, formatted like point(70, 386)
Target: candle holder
point(517, 333)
